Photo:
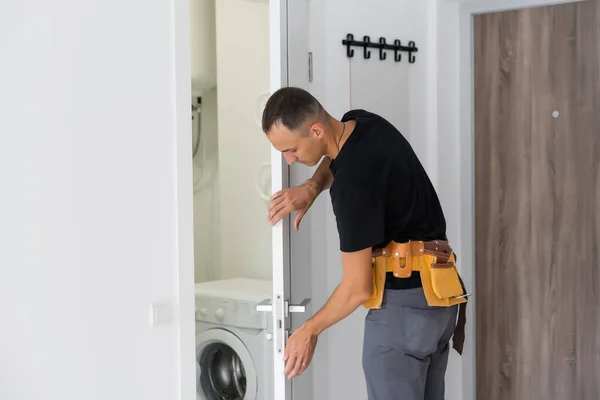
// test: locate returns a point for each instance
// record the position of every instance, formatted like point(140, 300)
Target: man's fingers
point(275, 202)
point(276, 195)
point(298, 218)
point(298, 368)
point(290, 364)
point(286, 353)
point(308, 359)
point(283, 203)
point(275, 209)
point(280, 214)
point(301, 364)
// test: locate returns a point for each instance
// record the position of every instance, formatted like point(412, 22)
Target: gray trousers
point(406, 347)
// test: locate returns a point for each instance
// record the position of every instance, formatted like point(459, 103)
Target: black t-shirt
point(381, 192)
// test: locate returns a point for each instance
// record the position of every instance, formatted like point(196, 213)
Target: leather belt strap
point(404, 258)
point(413, 248)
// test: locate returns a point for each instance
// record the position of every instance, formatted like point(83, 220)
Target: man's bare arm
point(322, 179)
point(353, 290)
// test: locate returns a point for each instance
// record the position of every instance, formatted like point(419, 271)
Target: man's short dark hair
point(292, 107)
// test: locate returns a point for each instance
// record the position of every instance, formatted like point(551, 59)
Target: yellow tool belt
point(434, 260)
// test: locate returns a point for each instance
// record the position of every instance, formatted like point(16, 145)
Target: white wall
point(203, 44)
point(89, 236)
point(404, 93)
point(207, 226)
point(243, 86)
point(233, 237)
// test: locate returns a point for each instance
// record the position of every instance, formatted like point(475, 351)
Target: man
point(381, 196)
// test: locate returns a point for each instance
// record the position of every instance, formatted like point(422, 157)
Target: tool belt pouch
point(444, 280)
point(441, 281)
point(378, 271)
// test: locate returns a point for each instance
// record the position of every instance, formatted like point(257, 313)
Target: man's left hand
point(299, 351)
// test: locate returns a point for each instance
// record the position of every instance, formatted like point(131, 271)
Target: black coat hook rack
point(381, 45)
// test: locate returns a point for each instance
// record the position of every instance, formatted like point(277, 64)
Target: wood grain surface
point(537, 199)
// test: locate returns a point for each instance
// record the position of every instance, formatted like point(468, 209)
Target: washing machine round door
point(224, 367)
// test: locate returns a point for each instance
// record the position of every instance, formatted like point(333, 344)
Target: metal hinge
point(310, 67)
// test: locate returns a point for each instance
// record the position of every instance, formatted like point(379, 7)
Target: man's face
point(304, 148)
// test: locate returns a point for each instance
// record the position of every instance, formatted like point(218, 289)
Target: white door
point(289, 32)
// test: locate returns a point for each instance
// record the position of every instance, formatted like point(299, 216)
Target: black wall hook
point(411, 57)
point(349, 50)
point(397, 55)
point(382, 54)
point(367, 42)
point(381, 45)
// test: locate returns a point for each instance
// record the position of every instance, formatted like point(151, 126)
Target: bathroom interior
point(231, 190)
point(231, 156)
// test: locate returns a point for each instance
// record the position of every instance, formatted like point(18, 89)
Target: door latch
point(280, 333)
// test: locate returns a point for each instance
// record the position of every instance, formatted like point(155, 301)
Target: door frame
point(184, 310)
point(280, 177)
point(463, 96)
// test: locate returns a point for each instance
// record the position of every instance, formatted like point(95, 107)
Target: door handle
point(267, 306)
point(296, 308)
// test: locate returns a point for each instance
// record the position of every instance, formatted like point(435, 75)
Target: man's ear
point(317, 130)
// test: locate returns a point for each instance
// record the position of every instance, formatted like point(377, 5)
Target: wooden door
point(537, 189)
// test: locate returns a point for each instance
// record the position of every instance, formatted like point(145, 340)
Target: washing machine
point(234, 351)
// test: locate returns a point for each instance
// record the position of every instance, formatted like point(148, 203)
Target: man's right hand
point(298, 198)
